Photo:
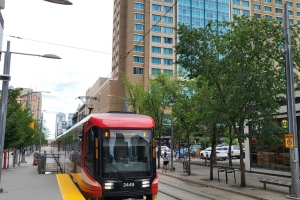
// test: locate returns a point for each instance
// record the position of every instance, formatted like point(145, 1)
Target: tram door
point(91, 159)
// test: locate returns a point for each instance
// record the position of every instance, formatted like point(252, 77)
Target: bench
point(266, 181)
point(227, 170)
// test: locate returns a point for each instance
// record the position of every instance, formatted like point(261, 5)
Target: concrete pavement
point(200, 176)
point(24, 182)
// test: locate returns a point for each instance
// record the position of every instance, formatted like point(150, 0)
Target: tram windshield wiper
point(118, 171)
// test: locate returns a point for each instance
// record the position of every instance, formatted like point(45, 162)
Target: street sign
point(289, 141)
point(284, 123)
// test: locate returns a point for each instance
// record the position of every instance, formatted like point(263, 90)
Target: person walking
point(165, 162)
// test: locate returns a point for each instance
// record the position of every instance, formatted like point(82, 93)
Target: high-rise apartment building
point(143, 34)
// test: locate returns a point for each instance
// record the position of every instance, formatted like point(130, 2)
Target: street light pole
point(4, 96)
point(41, 133)
point(291, 110)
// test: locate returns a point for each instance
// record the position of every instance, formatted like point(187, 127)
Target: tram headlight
point(146, 184)
point(109, 186)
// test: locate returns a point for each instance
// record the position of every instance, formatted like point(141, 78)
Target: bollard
point(4, 161)
point(206, 158)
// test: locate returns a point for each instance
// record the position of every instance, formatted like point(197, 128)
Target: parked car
point(235, 150)
point(220, 152)
point(195, 148)
point(163, 148)
point(168, 151)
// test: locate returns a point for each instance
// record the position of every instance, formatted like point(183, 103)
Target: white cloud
point(84, 25)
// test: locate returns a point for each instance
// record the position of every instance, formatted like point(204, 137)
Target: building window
point(155, 71)
point(168, 19)
point(289, 4)
point(268, 17)
point(278, 19)
point(138, 48)
point(298, 14)
point(268, 9)
point(137, 37)
point(278, 10)
point(156, 17)
point(245, 3)
point(139, 27)
point(156, 50)
point(267, 1)
point(168, 9)
point(155, 61)
point(168, 51)
point(290, 12)
point(168, 40)
point(156, 28)
point(156, 39)
point(297, 5)
point(291, 21)
point(256, 7)
point(168, 30)
point(257, 15)
point(139, 6)
point(168, 61)
point(168, 1)
point(138, 16)
point(298, 22)
point(138, 59)
point(156, 7)
point(236, 2)
point(278, 2)
point(246, 12)
point(138, 70)
point(236, 11)
point(168, 72)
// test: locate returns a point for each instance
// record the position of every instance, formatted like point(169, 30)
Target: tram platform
point(25, 182)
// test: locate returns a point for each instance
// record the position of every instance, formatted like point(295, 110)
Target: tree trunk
point(242, 165)
point(158, 151)
point(189, 166)
point(230, 144)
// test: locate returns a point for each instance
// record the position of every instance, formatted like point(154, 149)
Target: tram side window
point(89, 155)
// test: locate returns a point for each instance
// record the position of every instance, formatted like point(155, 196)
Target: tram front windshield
point(126, 153)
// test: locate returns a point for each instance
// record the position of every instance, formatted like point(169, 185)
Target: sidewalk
point(200, 176)
point(24, 182)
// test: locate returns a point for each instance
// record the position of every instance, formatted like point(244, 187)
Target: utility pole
point(172, 142)
point(290, 94)
point(41, 133)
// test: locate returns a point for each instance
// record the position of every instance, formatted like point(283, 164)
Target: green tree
point(243, 62)
point(18, 133)
point(155, 102)
point(185, 112)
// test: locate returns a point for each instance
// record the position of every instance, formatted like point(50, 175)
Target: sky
point(81, 34)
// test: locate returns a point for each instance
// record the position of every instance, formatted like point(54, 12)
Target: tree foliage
point(18, 133)
point(242, 61)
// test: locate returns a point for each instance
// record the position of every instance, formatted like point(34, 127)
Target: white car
point(235, 150)
point(220, 152)
point(163, 148)
point(168, 151)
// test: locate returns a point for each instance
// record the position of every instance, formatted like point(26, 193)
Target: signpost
point(289, 141)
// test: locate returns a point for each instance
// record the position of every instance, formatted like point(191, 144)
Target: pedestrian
point(165, 162)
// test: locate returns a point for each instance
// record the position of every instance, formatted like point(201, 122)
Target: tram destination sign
point(289, 141)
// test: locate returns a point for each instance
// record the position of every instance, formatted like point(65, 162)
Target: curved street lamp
point(4, 94)
point(63, 2)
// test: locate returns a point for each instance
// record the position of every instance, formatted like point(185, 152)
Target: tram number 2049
point(128, 184)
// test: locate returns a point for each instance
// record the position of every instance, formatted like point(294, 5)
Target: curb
point(214, 186)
